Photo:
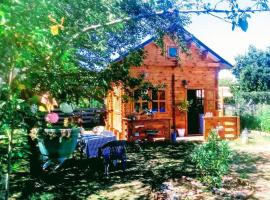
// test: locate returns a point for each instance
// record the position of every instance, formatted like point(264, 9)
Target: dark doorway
point(196, 111)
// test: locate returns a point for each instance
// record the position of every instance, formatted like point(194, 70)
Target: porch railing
point(228, 126)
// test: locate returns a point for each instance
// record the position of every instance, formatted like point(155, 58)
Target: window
point(156, 104)
point(141, 101)
point(200, 97)
point(158, 101)
point(172, 52)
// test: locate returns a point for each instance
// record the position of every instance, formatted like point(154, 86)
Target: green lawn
point(147, 168)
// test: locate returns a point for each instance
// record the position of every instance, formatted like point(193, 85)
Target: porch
point(228, 128)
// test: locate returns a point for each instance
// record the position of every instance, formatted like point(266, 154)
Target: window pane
point(145, 95)
point(155, 106)
point(162, 107)
point(136, 95)
point(154, 95)
point(137, 107)
point(145, 105)
point(198, 93)
point(172, 52)
point(161, 95)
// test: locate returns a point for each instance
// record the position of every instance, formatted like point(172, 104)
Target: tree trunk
point(10, 138)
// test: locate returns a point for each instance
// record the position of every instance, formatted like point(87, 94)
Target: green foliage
point(43, 196)
point(256, 97)
point(265, 120)
point(252, 89)
point(184, 105)
point(228, 100)
point(225, 82)
point(212, 160)
point(13, 143)
point(50, 46)
point(250, 121)
point(253, 70)
point(257, 118)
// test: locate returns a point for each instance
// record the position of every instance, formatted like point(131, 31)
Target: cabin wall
point(199, 70)
point(115, 109)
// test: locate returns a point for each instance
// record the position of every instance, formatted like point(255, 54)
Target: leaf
point(243, 24)
point(52, 19)
point(2, 18)
point(21, 87)
point(233, 26)
point(42, 109)
point(55, 29)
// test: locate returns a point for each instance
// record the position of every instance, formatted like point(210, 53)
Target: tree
point(253, 70)
point(62, 47)
point(226, 82)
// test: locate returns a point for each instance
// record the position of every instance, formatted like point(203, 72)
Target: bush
point(265, 120)
point(257, 119)
point(212, 159)
point(250, 121)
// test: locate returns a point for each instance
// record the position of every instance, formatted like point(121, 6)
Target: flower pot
point(173, 137)
point(56, 145)
point(181, 132)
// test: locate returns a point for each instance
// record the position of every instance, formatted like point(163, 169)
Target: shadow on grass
point(245, 164)
point(147, 168)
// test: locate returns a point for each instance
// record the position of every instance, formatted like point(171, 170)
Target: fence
point(90, 116)
point(228, 126)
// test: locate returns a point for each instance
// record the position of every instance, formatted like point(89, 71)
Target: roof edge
point(224, 63)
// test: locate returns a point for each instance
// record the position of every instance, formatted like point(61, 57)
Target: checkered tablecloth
point(93, 142)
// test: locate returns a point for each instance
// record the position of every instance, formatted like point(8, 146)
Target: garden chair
point(112, 152)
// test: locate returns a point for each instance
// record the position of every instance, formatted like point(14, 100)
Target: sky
point(218, 35)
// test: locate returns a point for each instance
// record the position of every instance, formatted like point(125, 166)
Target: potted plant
point(55, 142)
point(184, 105)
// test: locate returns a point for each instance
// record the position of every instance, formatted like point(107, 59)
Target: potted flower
point(184, 105)
point(54, 142)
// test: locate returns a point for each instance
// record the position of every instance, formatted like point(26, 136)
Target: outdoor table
point(92, 143)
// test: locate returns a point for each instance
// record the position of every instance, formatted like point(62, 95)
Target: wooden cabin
point(192, 78)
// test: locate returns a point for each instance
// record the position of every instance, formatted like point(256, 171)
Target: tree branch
point(97, 26)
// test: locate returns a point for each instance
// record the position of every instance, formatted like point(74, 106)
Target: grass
point(147, 169)
point(247, 156)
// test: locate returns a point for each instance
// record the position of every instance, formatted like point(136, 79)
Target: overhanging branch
point(210, 11)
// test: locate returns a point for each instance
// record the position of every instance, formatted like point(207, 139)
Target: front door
point(195, 112)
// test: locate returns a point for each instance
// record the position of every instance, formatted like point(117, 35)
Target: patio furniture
point(148, 129)
point(90, 143)
point(112, 152)
point(58, 148)
point(154, 135)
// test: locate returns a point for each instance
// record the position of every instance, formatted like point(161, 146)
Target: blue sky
point(218, 35)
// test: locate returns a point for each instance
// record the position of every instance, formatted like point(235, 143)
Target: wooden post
point(173, 101)
point(238, 125)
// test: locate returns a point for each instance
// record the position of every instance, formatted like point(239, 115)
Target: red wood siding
point(200, 72)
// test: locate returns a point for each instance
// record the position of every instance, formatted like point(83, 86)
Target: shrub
point(258, 119)
point(250, 121)
point(265, 120)
point(212, 160)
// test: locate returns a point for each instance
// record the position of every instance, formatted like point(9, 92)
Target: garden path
point(257, 165)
